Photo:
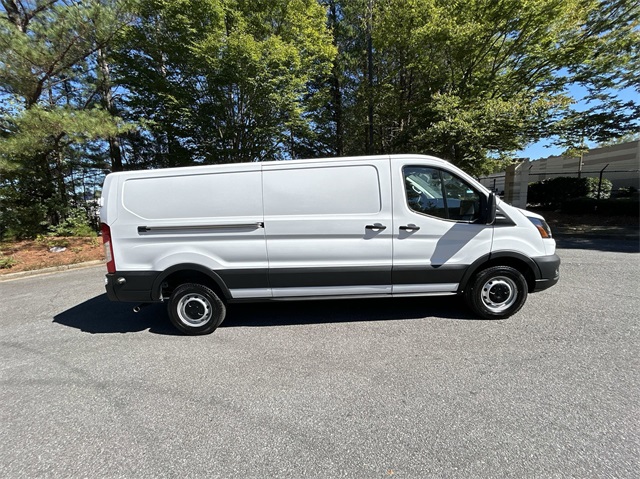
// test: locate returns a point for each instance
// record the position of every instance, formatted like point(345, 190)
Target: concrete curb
point(53, 269)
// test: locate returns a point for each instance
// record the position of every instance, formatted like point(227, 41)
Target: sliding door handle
point(410, 227)
point(376, 227)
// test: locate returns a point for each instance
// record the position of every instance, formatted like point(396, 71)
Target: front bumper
point(133, 286)
point(549, 267)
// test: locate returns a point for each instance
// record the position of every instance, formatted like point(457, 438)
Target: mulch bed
point(36, 254)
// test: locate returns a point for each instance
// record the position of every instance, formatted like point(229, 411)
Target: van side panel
point(213, 219)
point(194, 197)
point(328, 226)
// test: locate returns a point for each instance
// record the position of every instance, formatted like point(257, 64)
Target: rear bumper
point(549, 267)
point(130, 286)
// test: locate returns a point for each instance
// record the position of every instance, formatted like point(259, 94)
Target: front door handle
point(377, 227)
point(410, 227)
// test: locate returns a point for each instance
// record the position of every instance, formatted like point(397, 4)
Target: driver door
point(438, 232)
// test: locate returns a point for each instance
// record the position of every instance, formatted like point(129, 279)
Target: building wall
point(516, 183)
point(623, 162)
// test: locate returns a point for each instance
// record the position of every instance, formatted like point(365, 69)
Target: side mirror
point(489, 210)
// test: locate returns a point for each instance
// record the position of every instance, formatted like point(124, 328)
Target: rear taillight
point(108, 248)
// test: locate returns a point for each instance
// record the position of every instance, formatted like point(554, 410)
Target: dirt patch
point(36, 254)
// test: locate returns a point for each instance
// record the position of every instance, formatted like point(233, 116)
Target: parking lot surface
point(353, 388)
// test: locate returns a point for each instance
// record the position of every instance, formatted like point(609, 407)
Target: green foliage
point(551, 193)
point(52, 129)
point(49, 242)
point(39, 131)
point(471, 81)
point(26, 199)
point(75, 224)
point(608, 59)
point(475, 81)
point(225, 82)
point(632, 136)
point(7, 262)
point(630, 192)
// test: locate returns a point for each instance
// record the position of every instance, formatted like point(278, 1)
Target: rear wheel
point(497, 292)
point(195, 309)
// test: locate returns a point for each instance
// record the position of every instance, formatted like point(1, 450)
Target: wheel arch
point(189, 273)
point(516, 260)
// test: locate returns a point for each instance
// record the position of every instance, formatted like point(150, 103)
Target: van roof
point(253, 166)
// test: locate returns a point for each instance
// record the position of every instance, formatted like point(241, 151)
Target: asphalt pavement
point(379, 388)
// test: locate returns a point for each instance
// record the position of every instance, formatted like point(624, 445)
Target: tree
point(337, 108)
point(53, 117)
point(609, 62)
point(628, 137)
point(475, 81)
point(222, 81)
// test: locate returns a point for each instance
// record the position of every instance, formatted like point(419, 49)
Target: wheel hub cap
point(194, 310)
point(499, 294)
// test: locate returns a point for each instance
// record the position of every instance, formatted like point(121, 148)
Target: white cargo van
point(401, 225)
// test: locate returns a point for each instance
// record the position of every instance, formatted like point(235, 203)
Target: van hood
point(530, 214)
point(507, 208)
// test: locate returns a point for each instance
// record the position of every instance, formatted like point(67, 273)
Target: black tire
point(195, 309)
point(497, 292)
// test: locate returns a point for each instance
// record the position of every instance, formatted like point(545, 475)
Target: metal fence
point(496, 182)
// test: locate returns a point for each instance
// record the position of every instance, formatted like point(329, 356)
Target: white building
point(619, 164)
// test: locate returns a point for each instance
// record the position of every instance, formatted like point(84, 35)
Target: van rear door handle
point(410, 227)
point(376, 226)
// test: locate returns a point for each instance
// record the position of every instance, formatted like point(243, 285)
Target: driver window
point(436, 192)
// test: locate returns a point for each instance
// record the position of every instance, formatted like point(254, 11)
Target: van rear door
point(328, 227)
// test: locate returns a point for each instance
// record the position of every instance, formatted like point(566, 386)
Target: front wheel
point(195, 309)
point(497, 292)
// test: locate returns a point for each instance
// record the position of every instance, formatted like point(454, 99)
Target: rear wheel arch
point(173, 277)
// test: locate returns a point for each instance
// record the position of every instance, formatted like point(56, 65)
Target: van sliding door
point(328, 227)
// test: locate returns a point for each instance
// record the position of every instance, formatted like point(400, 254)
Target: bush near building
point(579, 196)
point(552, 193)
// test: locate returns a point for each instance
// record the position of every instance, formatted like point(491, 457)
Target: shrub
point(551, 193)
point(630, 192)
point(52, 241)
point(58, 243)
point(76, 224)
point(19, 221)
point(6, 262)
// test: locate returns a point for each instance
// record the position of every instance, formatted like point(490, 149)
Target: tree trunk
point(370, 78)
point(336, 87)
point(115, 154)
